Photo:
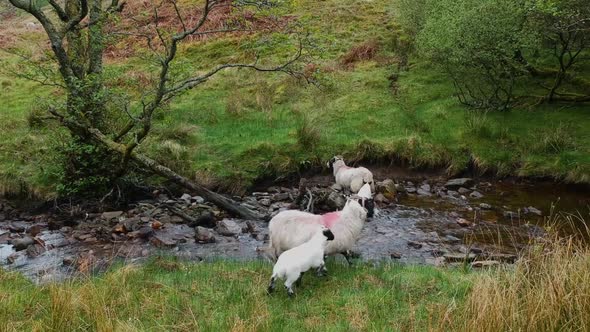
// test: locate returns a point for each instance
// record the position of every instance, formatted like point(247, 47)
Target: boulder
point(476, 195)
point(414, 244)
point(380, 198)
point(463, 191)
point(17, 226)
point(485, 206)
point(463, 222)
point(425, 187)
point(22, 243)
point(204, 235)
point(186, 198)
point(459, 182)
point(422, 192)
point(265, 202)
point(458, 257)
point(35, 250)
point(228, 227)
point(111, 215)
point(387, 188)
point(484, 264)
point(163, 240)
point(198, 199)
point(336, 201)
point(532, 210)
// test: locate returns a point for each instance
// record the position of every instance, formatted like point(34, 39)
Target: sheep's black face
point(369, 205)
point(331, 162)
point(328, 234)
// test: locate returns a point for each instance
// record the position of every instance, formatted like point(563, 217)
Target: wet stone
point(459, 182)
point(463, 191)
point(111, 215)
point(414, 244)
point(204, 235)
point(22, 243)
point(35, 250)
point(476, 195)
point(485, 206)
point(17, 226)
point(228, 227)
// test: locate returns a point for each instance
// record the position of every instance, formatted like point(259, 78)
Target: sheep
point(291, 228)
point(294, 262)
point(352, 178)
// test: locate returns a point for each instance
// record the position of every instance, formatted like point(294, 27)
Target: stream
point(420, 218)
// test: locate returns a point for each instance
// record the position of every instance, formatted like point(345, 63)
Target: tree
point(563, 28)
point(77, 31)
point(476, 43)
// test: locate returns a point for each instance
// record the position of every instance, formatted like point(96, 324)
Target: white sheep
point(352, 178)
point(294, 262)
point(291, 228)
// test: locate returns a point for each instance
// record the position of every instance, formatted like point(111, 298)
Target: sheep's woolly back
point(302, 257)
point(291, 228)
point(348, 229)
point(352, 177)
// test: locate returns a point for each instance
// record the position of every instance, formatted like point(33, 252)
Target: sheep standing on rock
point(291, 228)
point(352, 178)
point(294, 262)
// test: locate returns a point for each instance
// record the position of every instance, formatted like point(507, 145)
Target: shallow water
point(416, 229)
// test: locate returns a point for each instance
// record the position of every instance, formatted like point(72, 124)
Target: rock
point(228, 227)
point(186, 198)
point(450, 257)
point(510, 215)
point(422, 192)
point(476, 195)
point(459, 182)
point(336, 201)
point(119, 228)
point(387, 188)
point(68, 261)
point(463, 191)
point(437, 252)
point(52, 240)
point(281, 197)
point(198, 199)
point(425, 187)
point(452, 193)
point(415, 245)
point(17, 226)
point(204, 235)
point(163, 241)
point(532, 210)
point(34, 230)
point(507, 258)
point(22, 243)
point(156, 224)
point(484, 264)
point(336, 187)
point(380, 198)
point(35, 250)
point(410, 190)
point(485, 206)
point(395, 255)
point(452, 239)
point(265, 202)
point(145, 232)
point(463, 222)
point(453, 214)
point(111, 215)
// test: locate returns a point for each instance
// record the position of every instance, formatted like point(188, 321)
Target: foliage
point(475, 42)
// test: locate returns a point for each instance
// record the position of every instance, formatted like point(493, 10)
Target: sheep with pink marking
point(352, 178)
point(291, 228)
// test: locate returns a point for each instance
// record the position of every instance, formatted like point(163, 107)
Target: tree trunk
point(221, 201)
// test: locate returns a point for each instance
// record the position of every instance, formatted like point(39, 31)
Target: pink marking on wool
point(329, 219)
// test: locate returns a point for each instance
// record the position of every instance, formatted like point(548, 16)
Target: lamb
point(294, 262)
point(291, 228)
point(352, 178)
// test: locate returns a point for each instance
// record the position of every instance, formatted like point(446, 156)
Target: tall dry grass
point(548, 289)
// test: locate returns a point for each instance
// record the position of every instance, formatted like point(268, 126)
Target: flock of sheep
point(300, 240)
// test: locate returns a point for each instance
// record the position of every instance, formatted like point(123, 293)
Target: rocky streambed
point(421, 219)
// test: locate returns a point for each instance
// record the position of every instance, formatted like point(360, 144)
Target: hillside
point(242, 125)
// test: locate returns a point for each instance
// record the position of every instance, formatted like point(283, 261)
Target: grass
point(241, 126)
point(547, 289)
point(167, 295)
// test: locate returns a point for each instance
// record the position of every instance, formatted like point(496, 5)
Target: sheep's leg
point(348, 254)
point(300, 280)
point(289, 284)
point(271, 287)
point(321, 271)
